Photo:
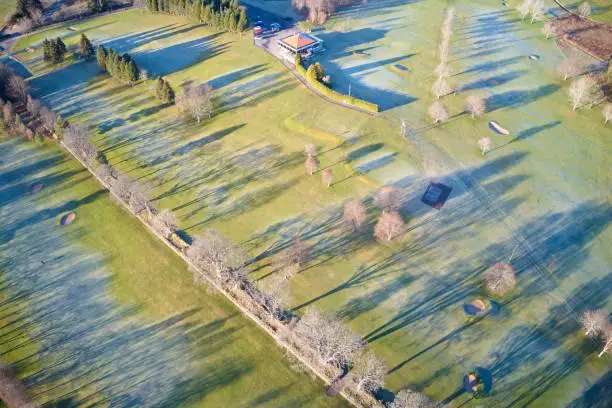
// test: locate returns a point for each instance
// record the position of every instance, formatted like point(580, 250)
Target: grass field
point(539, 196)
point(6, 8)
point(100, 312)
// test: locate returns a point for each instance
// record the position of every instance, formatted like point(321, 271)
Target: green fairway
point(99, 311)
point(538, 197)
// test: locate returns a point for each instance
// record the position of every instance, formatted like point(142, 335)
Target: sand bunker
point(476, 308)
point(35, 188)
point(470, 383)
point(496, 127)
point(71, 29)
point(401, 67)
point(68, 219)
point(534, 57)
point(29, 49)
point(360, 54)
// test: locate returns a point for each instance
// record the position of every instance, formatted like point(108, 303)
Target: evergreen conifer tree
point(47, 50)
point(243, 21)
point(131, 72)
point(196, 11)
point(86, 47)
point(159, 88)
point(101, 56)
point(233, 22)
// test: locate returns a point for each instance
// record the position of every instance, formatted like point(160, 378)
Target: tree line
point(28, 13)
point(122, 67)
point(223, 15)
point(54, 50)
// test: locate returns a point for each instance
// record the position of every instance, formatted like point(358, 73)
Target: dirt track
point(591, 36)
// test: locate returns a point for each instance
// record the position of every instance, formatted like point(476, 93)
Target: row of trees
point(123, 67)
point(28, 13)
point(441, 87)
point(16, 101)
point(534, 8)
point(54, 50)
point(223, 15)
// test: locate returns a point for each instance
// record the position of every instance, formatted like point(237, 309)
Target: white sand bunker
point(534, 57)
point(35, 188)
point(71, 29)
point(496, 127)
point(68, 219)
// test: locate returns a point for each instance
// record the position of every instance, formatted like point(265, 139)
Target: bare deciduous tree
point(441, 87)
point(143, 74)
point(165, 222)
point(584, 92)
point(217, 257)
point(311, 164)
point(76, 138)
point(18, 89)
point(524, 8)
point(548, 28)
point(197, 101)
point(500, 278)
point(23, 26)
point(369, 372)
point(310, 150)
point(475, 105)
point(443, 70)
point(388, 199)
point(140, 197)
point(48, 118)
point(607, 112)
point(274, 295)
point(122, 187)
point(607, 341)
point(8, 114)
point(389, 226)
point(296, 253)
point(327, 177)
point(105, 173)
point(33, 106)
point(537, 10)
point(485, 144)
point(355, 215)
point(569, 68)
point(584, 9)
point(411, 399)
point(438, 112)
point(36, 15)
point(594, 322)
point(332, 342)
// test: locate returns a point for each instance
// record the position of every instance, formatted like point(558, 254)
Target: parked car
point(275, 27)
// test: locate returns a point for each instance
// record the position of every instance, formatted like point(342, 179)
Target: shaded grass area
point(99, 312)
point(538, 194)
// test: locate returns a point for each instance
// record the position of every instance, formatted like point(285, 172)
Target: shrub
point(336, 96)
